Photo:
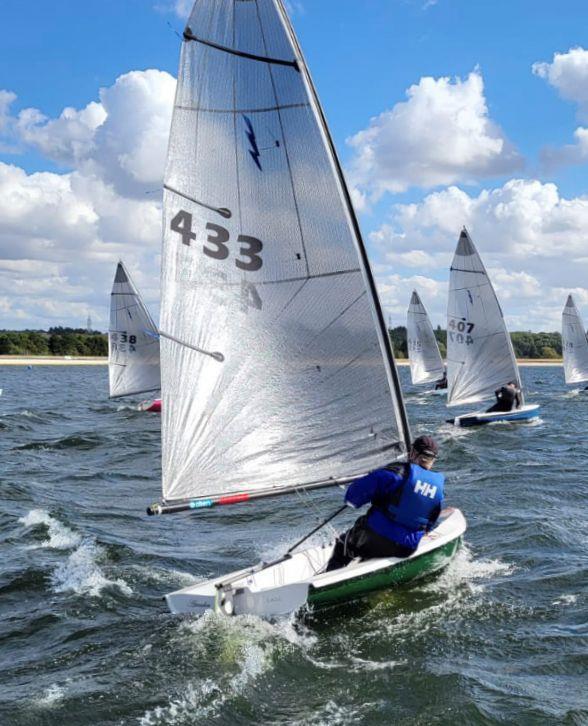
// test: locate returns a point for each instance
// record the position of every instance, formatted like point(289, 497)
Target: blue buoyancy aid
point(406, 513)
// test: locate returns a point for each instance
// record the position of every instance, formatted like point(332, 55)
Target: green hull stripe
point(395, 575)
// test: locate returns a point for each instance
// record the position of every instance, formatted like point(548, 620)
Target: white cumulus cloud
point(121, 138)
point(568, 73)
point(62, 233)
point(533, 241)
point(441, 135)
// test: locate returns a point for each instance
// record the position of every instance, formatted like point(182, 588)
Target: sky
point(444, 112)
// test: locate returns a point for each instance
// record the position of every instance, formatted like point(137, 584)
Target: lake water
point(501, 636)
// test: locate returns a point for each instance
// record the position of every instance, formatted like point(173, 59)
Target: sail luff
point(384, 336)
point(426, 364)
point(480, 354)
point(574, 344)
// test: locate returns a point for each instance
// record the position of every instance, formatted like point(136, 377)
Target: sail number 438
point(460, 331)
point(216, 244)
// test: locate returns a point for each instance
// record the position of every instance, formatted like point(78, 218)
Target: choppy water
point(500, 637)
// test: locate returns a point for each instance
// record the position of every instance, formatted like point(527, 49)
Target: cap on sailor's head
point(425, 445)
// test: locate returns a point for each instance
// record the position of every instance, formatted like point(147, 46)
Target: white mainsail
point(276, 365)
point(480, 356)
point(426, 364)
point(574, 344)
point(133, 341)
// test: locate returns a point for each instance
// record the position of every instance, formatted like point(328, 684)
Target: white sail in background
point(133, 341)
point(574, 344)
point(276, 367)
point(480, 356)
point(426, 364)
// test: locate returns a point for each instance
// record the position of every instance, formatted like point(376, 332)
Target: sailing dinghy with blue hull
point(268, 301)
point(480, 356)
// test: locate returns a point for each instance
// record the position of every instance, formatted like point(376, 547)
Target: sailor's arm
point(433, 517)
point(370, 487)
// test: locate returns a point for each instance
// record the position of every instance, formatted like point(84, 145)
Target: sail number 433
point(460, 331)
point(216, 244)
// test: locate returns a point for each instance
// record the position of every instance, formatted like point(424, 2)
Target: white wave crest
point(565, 600)
point(50, 696)
point(60, 536)
point(245, 643)
point(81, 574)
point(338, 714)
point(465, 569)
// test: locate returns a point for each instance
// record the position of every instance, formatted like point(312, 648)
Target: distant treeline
point(55, 341)
point(77, 341)
point(526, 345)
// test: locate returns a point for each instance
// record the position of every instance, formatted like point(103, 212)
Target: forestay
point(480, 356)
point(276, 365)
point(575, 344)
point(133, 341)
point(426, 364)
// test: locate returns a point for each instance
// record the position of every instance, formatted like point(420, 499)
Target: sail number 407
point(217, 242)
point(460, 331)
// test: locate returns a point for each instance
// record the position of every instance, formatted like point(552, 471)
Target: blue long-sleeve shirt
point(378, 487)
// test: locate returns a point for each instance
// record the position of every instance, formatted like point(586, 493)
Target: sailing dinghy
point(268, 301)
point(426, 364)
point(575, 344)
point(480, 356)
point(133, 343)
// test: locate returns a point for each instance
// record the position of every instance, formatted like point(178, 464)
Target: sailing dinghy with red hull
point(269, 303)
point(133, 343)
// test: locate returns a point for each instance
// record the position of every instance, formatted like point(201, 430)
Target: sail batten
point(263, 261)
point(574, 344)
point(426, 364)
point(133, 341)
point(480, 356)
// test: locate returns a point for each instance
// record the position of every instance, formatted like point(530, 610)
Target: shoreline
point(52, 360)
point(49, 360)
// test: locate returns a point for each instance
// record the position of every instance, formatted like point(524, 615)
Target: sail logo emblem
point(254, 150)
point(427, 490)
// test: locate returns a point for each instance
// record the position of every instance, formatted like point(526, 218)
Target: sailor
point(507, 398)
point(405, 503)
point(442, 382)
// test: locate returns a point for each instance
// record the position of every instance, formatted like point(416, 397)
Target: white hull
point(285, 587)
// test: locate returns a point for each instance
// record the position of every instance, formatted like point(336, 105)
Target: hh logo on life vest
point(427, 490)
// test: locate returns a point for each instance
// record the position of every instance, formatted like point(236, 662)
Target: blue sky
point(363, 57)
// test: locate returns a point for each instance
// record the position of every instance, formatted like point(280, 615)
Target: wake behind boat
point(480, 356)
point(269, 303)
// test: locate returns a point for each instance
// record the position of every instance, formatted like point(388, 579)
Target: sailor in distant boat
point(406, 500)
point(507, 398)
point(441, 384)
